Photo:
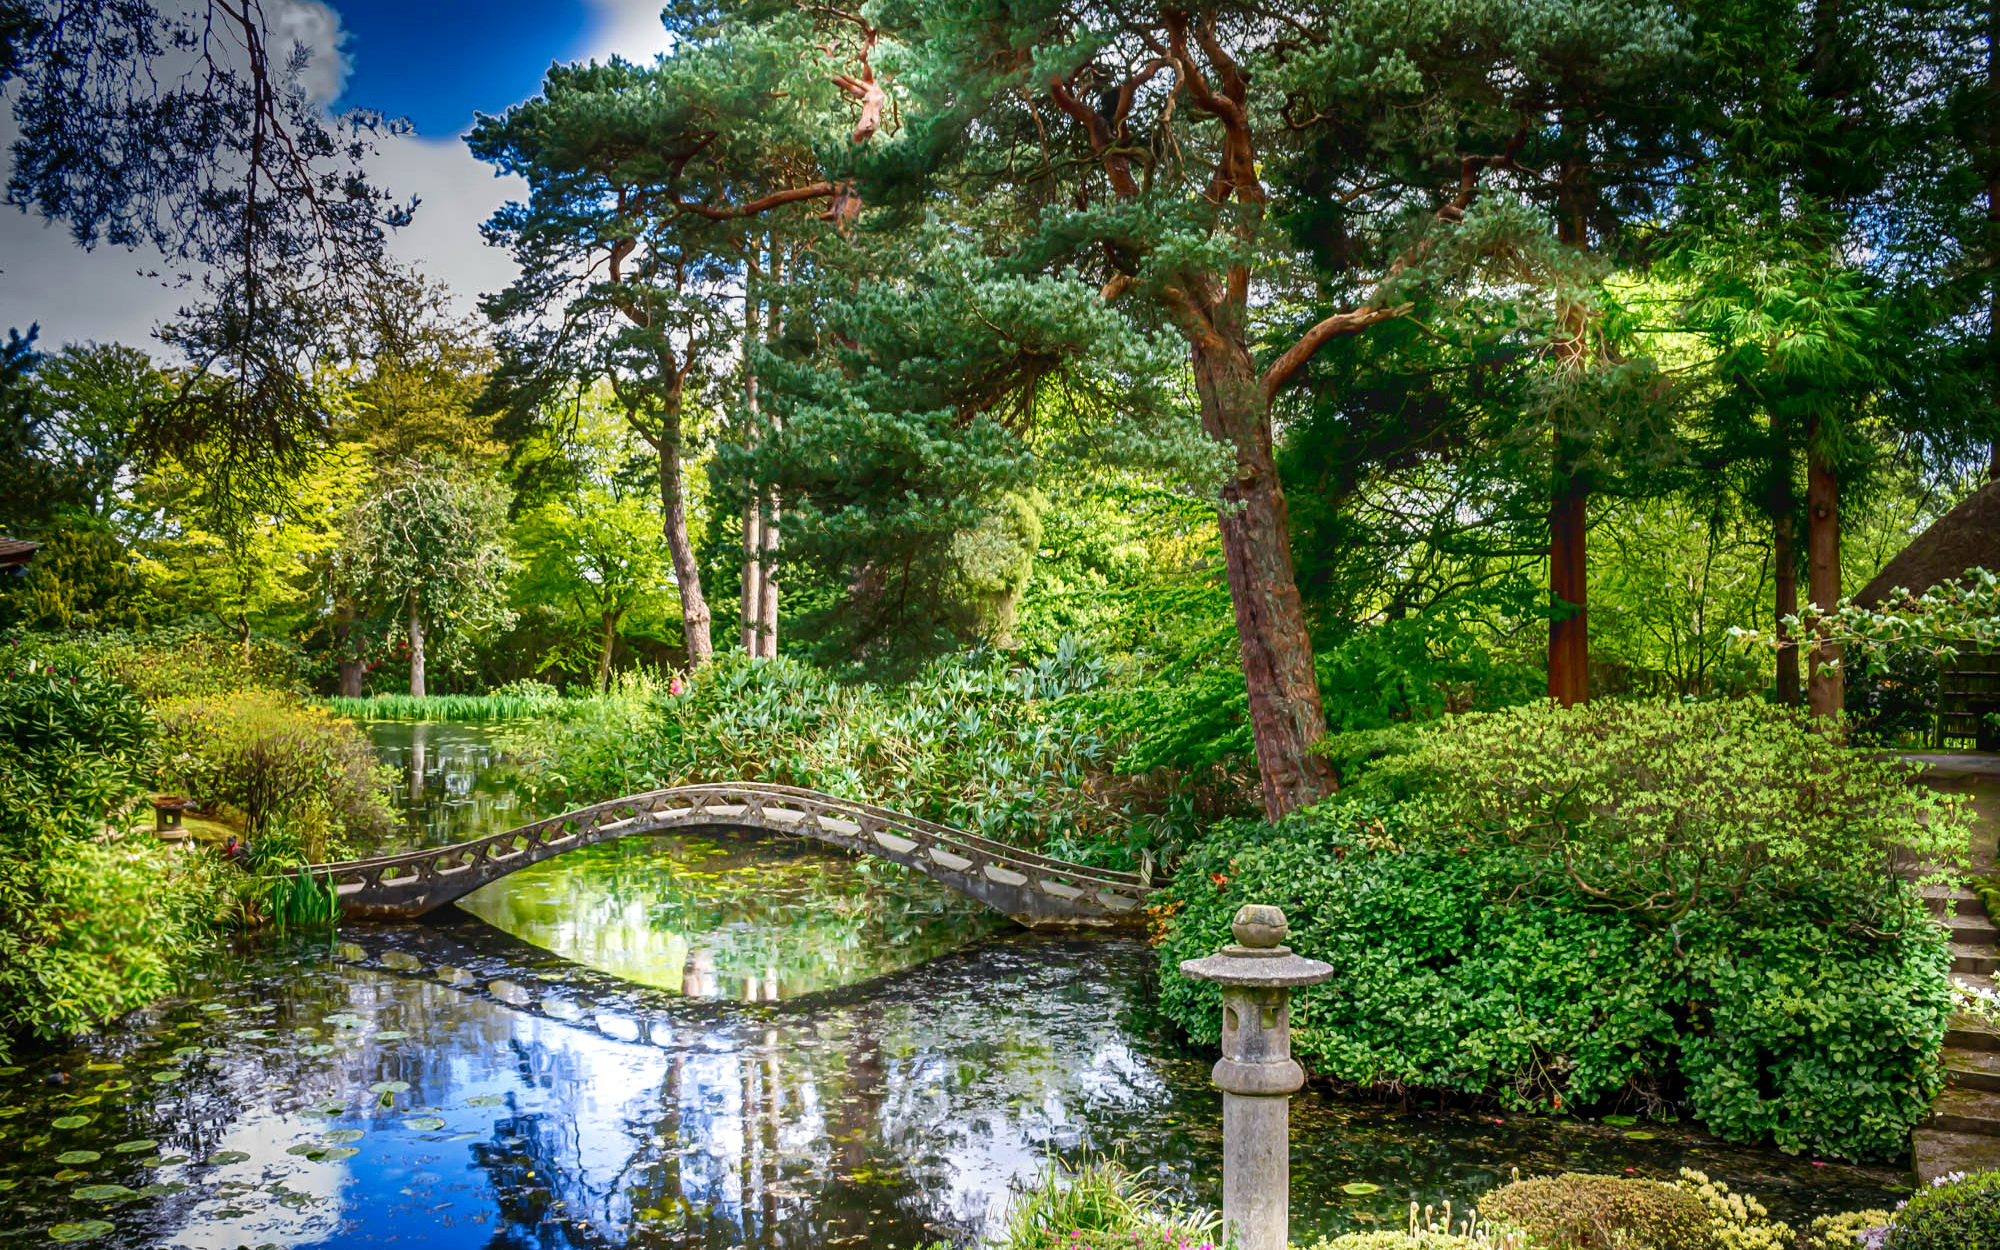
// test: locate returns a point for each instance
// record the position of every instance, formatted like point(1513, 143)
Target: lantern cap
point(1257, 960)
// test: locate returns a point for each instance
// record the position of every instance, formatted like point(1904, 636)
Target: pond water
point(448, 1085)
point(450, 782)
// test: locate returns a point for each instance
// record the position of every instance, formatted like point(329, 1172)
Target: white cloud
point(111, 294)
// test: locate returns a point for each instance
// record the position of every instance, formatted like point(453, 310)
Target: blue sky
point(439, 62)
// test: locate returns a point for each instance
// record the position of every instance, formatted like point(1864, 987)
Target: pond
point(450, 782)
point(447, 1084)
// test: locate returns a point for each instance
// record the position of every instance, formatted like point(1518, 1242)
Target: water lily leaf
point(389, 1087)
point(10, 1112)
point(162, 1189)
point(104, 1193)
point(424, 1124)
point(74, 1157)
point(114, 1085)
point(182, 1052)
point(168, 1077)
point(7, 1185)
point(391, 1035)
point(85, 1100)
point(214, 1007)
point(485, 1100)
point(217, 1052)
point(1358, 1188)
point(162, 1161)
point(344, 1019)
point(71, 1174)
point(253, 1035)
point(12, 1071)
point(341, 1136)
point(103, 1067)
point(323, 1154)
point(317, 1048)
point(71, 1121)
point(135, 1147)
point(1621, 1121)
point(223, 1157)
point(82, 1230)
point(1640, 1135)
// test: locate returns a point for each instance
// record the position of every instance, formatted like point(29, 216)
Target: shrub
point(266, 755)
point(1663, 805)
point(1957, 1213)
point(1402, 1241)
point(1578, 1211)
point(173, 662)
point(1004, 752)
point(91, 924)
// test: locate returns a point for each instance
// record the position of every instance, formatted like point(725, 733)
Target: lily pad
point(162, 1189)
point(140, 1146)
point(10, 1112)
point(323, 1154)
point(73, 1158)
point(391, 1035)
point(214, 1007)
point(341, 1136)
point(1358, 1188)
point(389, 1087)
point(114, 1085)
point(12, 1071)
point(103, 1067)
point(1640, 1135)
point(162, 1161)
point(254, 1035)
point(67, 1175)
point(86, 1100)
point(71, 1121)
point(1621, 1121)
point(222, 1158)
point(104, 1193)
point(82, 1230)
point(424, 1124)
point(168, 1077)
point(316, 1049)
point(485, 1100)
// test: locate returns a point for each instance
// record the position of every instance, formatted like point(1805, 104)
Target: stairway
point(1963, 1131)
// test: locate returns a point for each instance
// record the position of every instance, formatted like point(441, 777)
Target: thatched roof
point(15, 552)
point(1967, 537)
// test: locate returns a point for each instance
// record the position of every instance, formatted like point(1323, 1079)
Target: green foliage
point(269, 757)
point(1488, 949)
point(82, 578)
point(1957, 1213)
point(519, 700)
point(970, 742)
point(1099, 1205)
point(1660, 806)
point(90, 926)
point(1578, 1211)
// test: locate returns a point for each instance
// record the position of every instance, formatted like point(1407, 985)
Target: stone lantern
point(1257, 1073)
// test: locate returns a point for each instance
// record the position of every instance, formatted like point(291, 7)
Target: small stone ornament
point(1257, 1073)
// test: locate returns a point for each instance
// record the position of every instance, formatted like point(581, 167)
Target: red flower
point(1218, 878)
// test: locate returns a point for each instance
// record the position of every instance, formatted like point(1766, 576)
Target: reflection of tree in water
point(533, 1191)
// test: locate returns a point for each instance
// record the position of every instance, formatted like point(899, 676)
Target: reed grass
point(448, 707)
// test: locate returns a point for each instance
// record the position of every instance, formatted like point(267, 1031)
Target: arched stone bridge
point(1029, 888)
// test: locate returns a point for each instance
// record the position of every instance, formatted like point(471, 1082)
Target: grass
point(458, 707)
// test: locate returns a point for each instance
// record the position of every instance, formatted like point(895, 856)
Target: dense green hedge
point(1783, 988)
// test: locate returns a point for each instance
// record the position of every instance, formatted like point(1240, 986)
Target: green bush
point(1000, 751)
point(1099, 1206)
point(1776, 998)
point(268, 756)
point(1578, 1211)
point(1958, 1213)
point(177, 661)
point(92, 923)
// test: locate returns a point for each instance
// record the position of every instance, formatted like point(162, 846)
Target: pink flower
point(676, 686)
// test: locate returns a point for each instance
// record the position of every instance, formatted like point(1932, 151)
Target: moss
point(1963, 1213)
point(1578, 1211)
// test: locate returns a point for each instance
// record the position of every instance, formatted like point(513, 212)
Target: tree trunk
point(1825, 684)
point(687, 573)
point(1569, 588)
point(767, 596)
point(351, 668)
point(610, 639)
point(1285, 714)
point(1785, 574)
point(416, 650)
point(752, 610)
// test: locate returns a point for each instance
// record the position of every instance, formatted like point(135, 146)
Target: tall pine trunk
point(1285, 714)
point(687, 573)
point(1569, 592)
point(1825, 683)
point(416, 649)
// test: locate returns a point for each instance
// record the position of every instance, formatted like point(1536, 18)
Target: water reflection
point(742, 916)
point(382, 1091)
point(450, 782)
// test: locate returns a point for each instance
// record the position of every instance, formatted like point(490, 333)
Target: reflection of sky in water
point(884, 1114)
point(730, 915)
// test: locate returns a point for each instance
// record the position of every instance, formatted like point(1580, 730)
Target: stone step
point(1961, 1110)
point(1984, 960)
point(1967, 1032)
point(1937, 896)
point(1973, 1069)
point(1974, 928)
point(1935, 1153)
point(1974, 980)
